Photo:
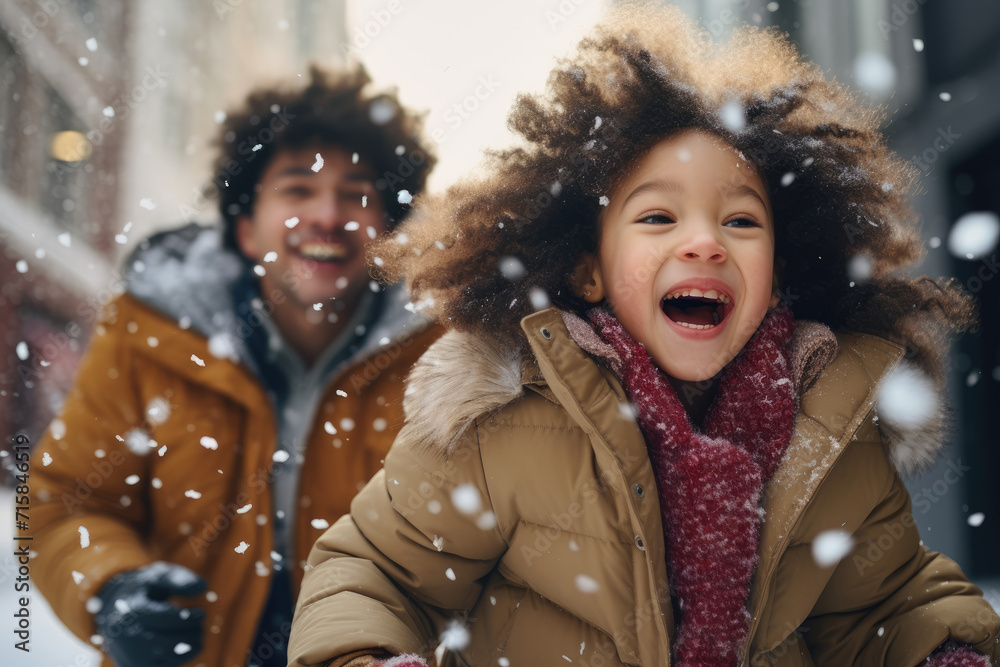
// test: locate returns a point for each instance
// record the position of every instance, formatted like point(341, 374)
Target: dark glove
point(140, 627)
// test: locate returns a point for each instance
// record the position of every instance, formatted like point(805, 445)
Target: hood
point(187, 275)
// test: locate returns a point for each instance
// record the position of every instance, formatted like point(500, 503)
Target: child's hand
point(953, 655)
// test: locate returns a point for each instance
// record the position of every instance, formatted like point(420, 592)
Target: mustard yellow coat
point(189, 500)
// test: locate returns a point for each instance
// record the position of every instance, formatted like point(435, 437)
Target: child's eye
point(656, 219)
point(741, 222)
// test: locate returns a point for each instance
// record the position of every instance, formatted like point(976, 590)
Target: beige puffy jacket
point(518, 502)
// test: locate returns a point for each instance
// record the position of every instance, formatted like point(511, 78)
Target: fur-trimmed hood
point(464, 377)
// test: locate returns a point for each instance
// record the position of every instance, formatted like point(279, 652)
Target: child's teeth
point(696, 326)
point(694, 292)
point(711, 294)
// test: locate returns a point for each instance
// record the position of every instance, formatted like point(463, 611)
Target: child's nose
point(704, 246)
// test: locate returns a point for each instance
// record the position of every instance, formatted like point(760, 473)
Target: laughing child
point(666, 466)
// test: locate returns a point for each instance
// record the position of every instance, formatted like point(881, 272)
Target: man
point(239, 393)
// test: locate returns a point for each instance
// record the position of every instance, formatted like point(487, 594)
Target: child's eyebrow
point(744, 190)
point(730, 191)
point(655, 185)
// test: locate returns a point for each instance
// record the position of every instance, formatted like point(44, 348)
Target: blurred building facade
point(108, 109)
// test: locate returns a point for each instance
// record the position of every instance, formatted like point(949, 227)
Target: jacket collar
point(187, 276)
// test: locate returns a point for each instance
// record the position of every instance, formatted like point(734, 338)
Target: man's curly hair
point(334, 108)
point(839, 194)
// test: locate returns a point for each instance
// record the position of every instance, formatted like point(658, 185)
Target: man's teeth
point(710, 294)
point(322, 251)
point(697, 326)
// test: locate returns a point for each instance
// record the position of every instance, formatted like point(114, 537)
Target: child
point(650, 471)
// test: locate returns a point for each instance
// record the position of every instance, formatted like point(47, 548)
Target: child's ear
point(779, 264)
point(587, 281)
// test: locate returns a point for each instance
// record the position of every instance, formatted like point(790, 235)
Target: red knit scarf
point(710, 482)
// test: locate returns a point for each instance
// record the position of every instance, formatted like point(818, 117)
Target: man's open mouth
point(321, 251)
point(696, 309)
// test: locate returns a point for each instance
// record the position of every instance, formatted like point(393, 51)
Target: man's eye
point(742, 222)
point(656, 219)
point(296, 191)
point(354, 195)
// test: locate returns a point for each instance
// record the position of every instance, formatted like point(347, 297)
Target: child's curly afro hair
point(839, 194)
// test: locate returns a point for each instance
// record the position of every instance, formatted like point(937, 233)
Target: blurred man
point(239, 393)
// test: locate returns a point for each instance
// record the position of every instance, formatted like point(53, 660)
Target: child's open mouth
point(695, 309)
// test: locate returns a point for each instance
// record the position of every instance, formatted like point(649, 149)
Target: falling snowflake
point(318, 164)
point(974, 235)
point(280, 456)
point(191, 493)
point(84, 537)
point(330, 428)
point(320, 524)
point(455, 637)
point(381, 111)
point(138, 442)
point(466, 499)
point(270, 257)
point(450, 573)
point(830, 546)
point(907, 399)
point(147, 203)
point(859, 268)
point(180, 648)
point(208, 442)
point(198, 360)
point(65, 239)
point(539, 298)
point(46, 458)
point(22, 351)
point(604, 201)
point(404, 197)
point(512, 268)
point(976, 520)
point(77, 577)
point(788, 178)
point(586, 584)
point(221, 346)
point(874, 72)
point(243, 546)
point(291, 222)
point(244, 509)
point(733, 116)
